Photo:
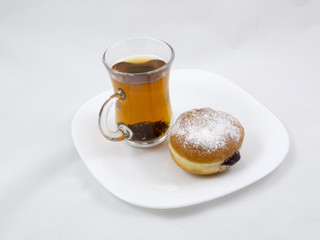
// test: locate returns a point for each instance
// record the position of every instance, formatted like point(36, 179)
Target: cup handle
point(123, 132)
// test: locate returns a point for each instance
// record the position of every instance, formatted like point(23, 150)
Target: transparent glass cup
point(139, 70)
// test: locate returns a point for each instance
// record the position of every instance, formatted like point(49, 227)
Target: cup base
point(147, 144)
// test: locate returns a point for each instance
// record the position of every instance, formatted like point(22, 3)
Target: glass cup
point(139, 69)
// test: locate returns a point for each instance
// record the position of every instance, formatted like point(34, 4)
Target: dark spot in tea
point(147, 131)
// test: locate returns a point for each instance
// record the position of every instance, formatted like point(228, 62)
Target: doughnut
point(205, 141)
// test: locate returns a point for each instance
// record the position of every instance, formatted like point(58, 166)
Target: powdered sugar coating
point(206, 129)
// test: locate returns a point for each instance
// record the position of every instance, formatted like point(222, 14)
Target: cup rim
point(167, 65)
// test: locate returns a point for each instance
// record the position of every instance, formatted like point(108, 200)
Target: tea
point(146, 109)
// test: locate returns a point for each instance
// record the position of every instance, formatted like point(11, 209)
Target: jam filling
point(232, 160)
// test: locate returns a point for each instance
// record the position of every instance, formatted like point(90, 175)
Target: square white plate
point(150, 178)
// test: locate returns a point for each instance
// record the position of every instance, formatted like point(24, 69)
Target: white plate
point(150, 178)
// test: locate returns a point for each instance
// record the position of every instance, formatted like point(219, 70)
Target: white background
point(50, 64)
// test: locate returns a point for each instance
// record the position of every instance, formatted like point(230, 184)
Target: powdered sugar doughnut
point(205, 141)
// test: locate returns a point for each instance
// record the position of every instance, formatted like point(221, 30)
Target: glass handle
point(123, 132)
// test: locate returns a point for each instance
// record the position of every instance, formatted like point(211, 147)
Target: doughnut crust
point(202, 139)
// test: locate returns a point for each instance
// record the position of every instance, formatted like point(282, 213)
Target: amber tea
point(147, 109)
point(139, 70)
